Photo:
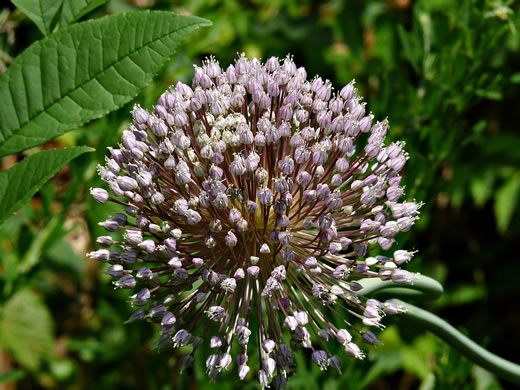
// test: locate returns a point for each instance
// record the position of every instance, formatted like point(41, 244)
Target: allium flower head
point(256, 197)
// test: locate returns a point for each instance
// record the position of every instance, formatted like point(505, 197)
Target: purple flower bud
point(385, 243)
point(252, 207)
point(391, 307)
point(215, 225)
point(286, 165)
point(343, 336)
point(265, 196)
point(335, 363)
point(321, 359)
point(141, 298)
point(370, 338)
point(105, 241)
point(348, 91)
point(334, 247)
point(181, 338)
point(99, 194)
point(159, 128)
point(116, 271)
point(269, 366)
point(215, 342)
point(301, 317)
point(139, 314)
point(287, 254)
point(405, 223)
point(279, 273)
point(310, 196)
point(234, 215)
point(144, 273)
point(272, 64)
point(397, 163)
point(120, 218)
point(147, 245)
point(365, 124)
point(140, 115)
point(231, 240)
point(402, 276)
point(127, 281)
point(243, 334)
point(216, 313)
point(353, 350)
point(187, 361)
point(304, 178)
point(290, 323)
point(100, 255)
point(311, 262)
point(192, 217)
point(393, 193)
point(243, 371)
point(110, 226)
point(127, 183)
point(402, 256)
point(129, 257)
point(228, 285)
point(342, 165)
point(263, 378)
point(253, 271)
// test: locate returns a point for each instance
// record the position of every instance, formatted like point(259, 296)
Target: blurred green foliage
point(445, 73)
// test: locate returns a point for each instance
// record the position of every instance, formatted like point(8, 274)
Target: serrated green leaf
point(41, 12)
point(505, 202)
point(26, 329)
point(73, 10)
point(19, 183)
point(83, 72)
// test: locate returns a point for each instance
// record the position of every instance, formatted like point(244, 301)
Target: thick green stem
point(426, 287)
point(474, 352)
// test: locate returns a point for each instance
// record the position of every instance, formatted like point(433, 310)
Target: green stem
point(474, 352)
point(426, 287)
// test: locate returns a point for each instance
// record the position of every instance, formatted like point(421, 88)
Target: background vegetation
point(445, 73)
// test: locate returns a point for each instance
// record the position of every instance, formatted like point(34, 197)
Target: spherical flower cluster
point(255, 199)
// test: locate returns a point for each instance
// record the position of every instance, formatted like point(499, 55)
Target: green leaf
point(41, 12)
point(26, 329)
point(19, 183)
point(515, 78)
point(481, 187)
point(505, 202)
point(12, 376)
point(73, 10)
point(83, 72)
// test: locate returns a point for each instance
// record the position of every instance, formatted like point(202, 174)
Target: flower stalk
point(428, 288)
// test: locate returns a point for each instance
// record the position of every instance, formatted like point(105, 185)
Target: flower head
point(256, 197)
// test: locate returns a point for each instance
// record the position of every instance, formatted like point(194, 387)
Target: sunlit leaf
point(83, 72)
